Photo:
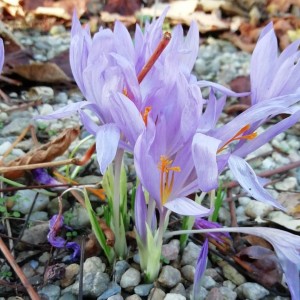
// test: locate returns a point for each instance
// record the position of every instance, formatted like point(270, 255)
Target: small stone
point(51, 291)
point(268, 163)
point(251, 291)
point(36, 234)
point(94, 284)
point(28, 270)
point(136, 258)
point(227, 293)
point(229, 284)
point(15, 127)
point(171, 250)
point(93, 265)
point(287, 184)
point(256, 209)
point(244, 201)
point(172, 296)
point(284, 147)
point(61, 97)
point(44, 93)
point(38, 216)
point(79, 217)
point(190, 254)
point(224, 216)
point(112, 289)
point(214, 294)
point(169, 276)
point(280, 159)
point(53, 206)
point(208, 282)
point(44, 258)
point(157, 294)
point(68, 296)
point(232, 274)
point(70, 275)
point(179, 289)
point(130, 278)
point(202, 293)
point(25, 198)
point(116, 297)
point(36, 279)
point(143, 289)
point(133, 297)
point(212, 272)
point(120, 267)
point(57, 29)
point(188, 272)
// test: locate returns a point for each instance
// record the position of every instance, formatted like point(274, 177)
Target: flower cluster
point(148, 103)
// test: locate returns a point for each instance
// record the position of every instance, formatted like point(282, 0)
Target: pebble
point(288, 184)
point(36, 234)
point(172, 296)
point(190, 254)
point(188, 272)
point(57, 30)
point(94, 284)
point(25, 198)
point(130, 278)
point(68, 296)
point(224, 216)
point(44, 258)
point(171, 250)
point(53, 206)
point(229, 284)
point(280, 159)
point(244, 201)
point(38, 216)
point(232, 274)
point(133, 297)
point(94, 265)
point(143, 289)
point(208, 282)
point(116, 297)
point(157, 294)
point(284, 147)
point(28, 270)
point(79, 218)
point(61, 97)
point(44, 93)
point(179, 289)
point(256, 209)
point(51, 291)
point(112, 289)
point(120, 267)
point(15, 127)
point(228, 294)
point(268, 163)
point(251, 291)
point(189, 292)
point(214, 294)
point(169, 276)
point(71, 272)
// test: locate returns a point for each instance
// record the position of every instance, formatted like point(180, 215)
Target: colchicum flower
point(271, 96)
point(1, 54)
point(122, 81)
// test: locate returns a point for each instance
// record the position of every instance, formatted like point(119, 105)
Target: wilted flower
point(200, 269)
point(56, 223)
point(43, 177)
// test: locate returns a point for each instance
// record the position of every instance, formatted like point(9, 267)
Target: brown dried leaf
point(264, 263)
point(107, 17)
point(44, 153)
point(242, 84)
point(41, 72)
point(257, 241)
point(282, 6)
point(123, 7)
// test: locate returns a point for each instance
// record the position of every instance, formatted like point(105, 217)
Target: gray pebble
point(179, 289)
point(189, 292)
point(51, 291)
point(190, 254)
point(188, 272)
point(232, 274)
point(120, 267)
point(208, 282)
point(115, 297)
point(256, 209)
point(227, 293)
point(157, 294)
point(169, 276)
point(130, 278)
point(133, 297)
point(251, 291)
point(79, 218)
point(170, 251)
point(68, 296)
point(143, 289)
point(112, 289)
point(172, 296)
point(15, 127)
point(93, 265)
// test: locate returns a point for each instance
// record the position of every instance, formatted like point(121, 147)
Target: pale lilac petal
point(89, 125)
point(76, 26)
point(140, 213)
point(267, 135)
point(107, 140)
point(221, 88)
point(200, 269)
point(187, 207)
point(204, 150)
point(1, 54)
point(263, 61)
point(247, 178)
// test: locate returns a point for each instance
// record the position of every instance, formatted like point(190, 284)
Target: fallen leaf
point(44, 153)
point(254, 240)
point(264, 263)
point(282, 219)
point(122, 7)
point(107, 17)
point(41, 72)
point(242, 84)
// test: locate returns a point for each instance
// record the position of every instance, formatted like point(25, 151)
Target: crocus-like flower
point(200, 269)
point(43, 177)
point(56, 223)
point(122, 81)
point(1, 54)
point(272, 75)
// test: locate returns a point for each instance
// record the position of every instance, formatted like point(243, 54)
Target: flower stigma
point(166, 184)
point(239, 136)
point(146, 113)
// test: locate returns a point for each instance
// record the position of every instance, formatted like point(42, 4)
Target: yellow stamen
point(239, 136)
point(166, 185)
point(146, 113)
point(125, 92)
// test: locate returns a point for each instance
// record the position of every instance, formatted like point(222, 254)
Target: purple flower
point(42, 176)
point(200, 269)
point(1, 54)
point(56, 223)
point(106, 69)
point(272, 75)
point(205, 224)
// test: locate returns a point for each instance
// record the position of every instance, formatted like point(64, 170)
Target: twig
point(10, 80)
point(82, 246)
point(32, 293)
point(24, 106)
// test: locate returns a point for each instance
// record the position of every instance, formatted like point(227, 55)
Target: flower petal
point(187, 207)
point(247, 178)
point(204, 150)
point(140, 213)
point(107, 140)
point(1, 54)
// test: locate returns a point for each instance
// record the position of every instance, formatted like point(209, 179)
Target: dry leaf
point(107, 17)
point(282, 6)
point(41, 72)
point(122, 7)
point(254, 240)
point(44, 153)
point(284, 220)
point(264, 263)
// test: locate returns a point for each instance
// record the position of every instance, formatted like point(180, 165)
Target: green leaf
point(16, 214)
point(3, 209)
point(218, 203)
